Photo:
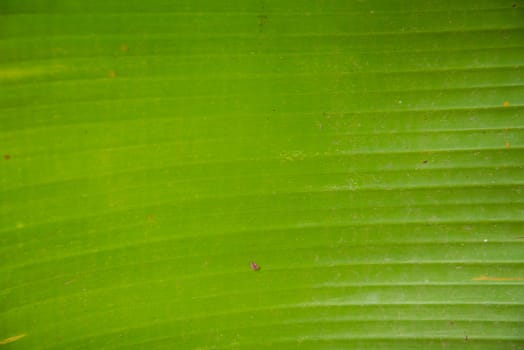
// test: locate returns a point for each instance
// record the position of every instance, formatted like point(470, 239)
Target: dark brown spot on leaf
point(262, 19)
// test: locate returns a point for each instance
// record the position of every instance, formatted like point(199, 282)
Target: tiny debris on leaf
point(12, 339)
point(254, 266)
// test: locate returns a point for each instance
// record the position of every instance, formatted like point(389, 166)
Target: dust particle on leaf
point(112, 73)
point(124, 48)
point(508, 145)
point(7, 156)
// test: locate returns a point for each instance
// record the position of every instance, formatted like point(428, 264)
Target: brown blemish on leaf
point(151, 219)
point(12, 339)
point(262, 19)
point(506, 104)
point(7, 156)
point(124, 48)
point(508, 145)
point(112, 73)
point(498, 279)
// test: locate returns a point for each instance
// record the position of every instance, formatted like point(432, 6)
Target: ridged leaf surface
point(366, 155)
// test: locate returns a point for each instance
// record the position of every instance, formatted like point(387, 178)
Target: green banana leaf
point(254, 174)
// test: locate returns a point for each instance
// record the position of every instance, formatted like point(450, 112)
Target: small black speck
point(425, 161)
point(514, 5)
point(274, 110)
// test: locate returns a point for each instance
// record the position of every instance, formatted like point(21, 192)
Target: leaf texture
point(366, 155)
